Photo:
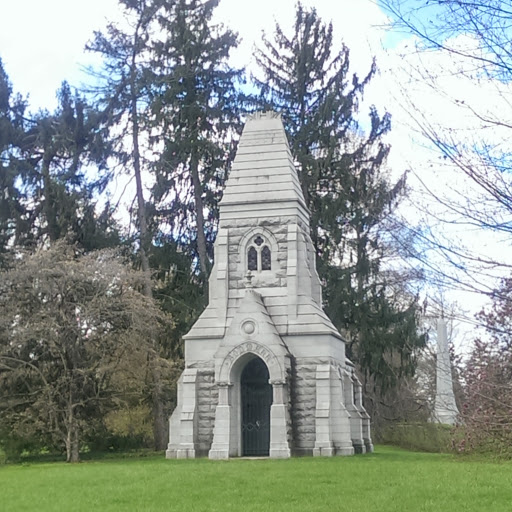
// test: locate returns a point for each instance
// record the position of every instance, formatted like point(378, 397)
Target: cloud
point(354, 22)
point(42, 43)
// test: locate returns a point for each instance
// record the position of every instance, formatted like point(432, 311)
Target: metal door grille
point(256, 402)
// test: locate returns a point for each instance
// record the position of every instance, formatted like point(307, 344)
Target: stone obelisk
point(445, 408)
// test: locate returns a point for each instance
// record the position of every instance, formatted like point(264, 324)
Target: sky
point(42, 43)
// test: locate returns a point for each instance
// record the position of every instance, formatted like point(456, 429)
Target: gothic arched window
point(259, 256)
point(266, 263)
point(252, 259)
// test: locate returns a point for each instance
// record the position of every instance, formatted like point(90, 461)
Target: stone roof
point(263, 169)
point(263, 192)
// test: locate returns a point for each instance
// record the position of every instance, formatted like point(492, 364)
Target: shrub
point(425, 437)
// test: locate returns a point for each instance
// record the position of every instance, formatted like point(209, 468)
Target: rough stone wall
point(303, 402)
point(303, 406)
point(237, 270)
point(207, 399)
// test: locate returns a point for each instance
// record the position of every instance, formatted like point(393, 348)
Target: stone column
point(174, 424)
point(279, 447)
point(340, 417)
point(292, 281)
point(356, 420)
point(445, 408)
point(222, 428)
point(365, 417)
point(323, 440)
point(188, 417)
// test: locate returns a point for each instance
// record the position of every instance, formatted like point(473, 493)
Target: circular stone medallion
point(248, 327)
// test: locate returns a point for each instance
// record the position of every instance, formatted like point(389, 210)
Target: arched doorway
point(256, 395)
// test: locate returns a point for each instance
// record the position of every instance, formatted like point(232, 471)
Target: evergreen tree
point(65, 167)
point(122, 95)
point(195, 105)
point(12, 207)
point(346, 188)
point(54, 165)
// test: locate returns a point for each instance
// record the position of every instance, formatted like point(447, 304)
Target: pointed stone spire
point(445, 408)
point(263, 182)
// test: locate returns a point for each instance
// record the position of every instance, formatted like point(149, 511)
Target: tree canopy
point(165, 113)
point(67, 321)
point(347, 188)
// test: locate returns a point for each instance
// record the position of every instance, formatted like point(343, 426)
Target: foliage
point(347, 190)
point(487, 410)
point(461, 53)
point(195, 102)
point(68, 323)
point(53, 166)
point(391, 480)
point(12, 208)
point(424, 437)
point(178, 292)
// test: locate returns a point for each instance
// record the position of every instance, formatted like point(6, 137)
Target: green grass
point(389, 480)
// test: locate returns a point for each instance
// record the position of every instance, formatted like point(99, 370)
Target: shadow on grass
point(45, 458)
point(383, 453)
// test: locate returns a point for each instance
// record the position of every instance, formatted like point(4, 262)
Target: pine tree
point(123, 97)
point(55, 164)
point(342, 171)
point(196, 107)
point(12, 208)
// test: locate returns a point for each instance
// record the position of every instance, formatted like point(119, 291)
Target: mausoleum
point(265, 369)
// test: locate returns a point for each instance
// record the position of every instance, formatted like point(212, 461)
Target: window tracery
point(259, 255)
point(266, 263)
point(252, 259)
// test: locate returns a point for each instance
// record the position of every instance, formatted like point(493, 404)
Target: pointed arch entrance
point(261, 370)
point(256, 401)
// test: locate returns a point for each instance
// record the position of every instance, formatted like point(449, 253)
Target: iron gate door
point(256, 402)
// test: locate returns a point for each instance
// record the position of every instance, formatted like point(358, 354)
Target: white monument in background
point(445, 408)
point(265, 369)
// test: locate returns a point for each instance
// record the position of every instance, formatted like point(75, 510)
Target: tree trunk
point(160, 431)
point(198, 199)
point(72, 439)
point(141, 205)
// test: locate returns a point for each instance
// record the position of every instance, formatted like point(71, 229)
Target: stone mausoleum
point(265, 369)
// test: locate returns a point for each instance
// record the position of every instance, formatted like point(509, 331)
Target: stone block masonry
point(265, 369)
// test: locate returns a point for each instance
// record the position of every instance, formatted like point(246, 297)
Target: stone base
point(323, 451)
point(171, 453)
point(218, 454)
point(186, 453)
point(369, 447)
point(280, 453)
point(345, 450)
point(359, 447)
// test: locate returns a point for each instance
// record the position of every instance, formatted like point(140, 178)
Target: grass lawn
point(389, 480)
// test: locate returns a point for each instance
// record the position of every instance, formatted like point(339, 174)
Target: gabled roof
point(252, 322)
